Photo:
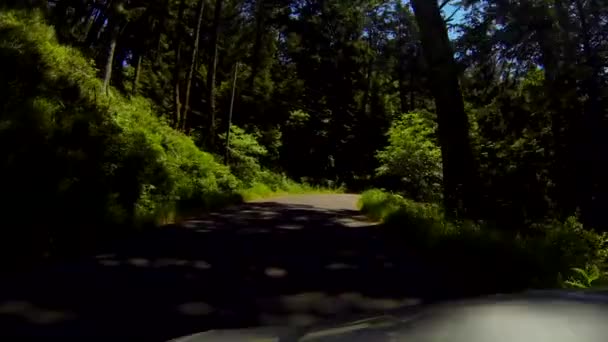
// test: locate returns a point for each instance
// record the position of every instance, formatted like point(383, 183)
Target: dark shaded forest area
point(118, 113)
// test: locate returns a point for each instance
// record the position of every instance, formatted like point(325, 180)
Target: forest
point(483, 122)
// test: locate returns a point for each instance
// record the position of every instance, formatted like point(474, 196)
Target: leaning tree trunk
point(92, 35)
point(110, 60)
point(91, 18)
point(197, 33)
point(176, 69)
point(212, 70)
point(138, 62)
point(460, 183)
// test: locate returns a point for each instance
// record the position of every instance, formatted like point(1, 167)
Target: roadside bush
point(195, 180)
point(270, 183)
point(568, 245)
point(75, 162)
point(423, 221)
point(244, 153)
point(412, 160)
point(491, 259)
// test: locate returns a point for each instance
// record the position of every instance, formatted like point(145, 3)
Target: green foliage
point(511, 262)
point(271, 138)
point(423, 221)
point(413, 157)
point(101, 163)
point(298, 119)
point(244, 160)
point(514, 143)
point(244, 153)
point(566, 245)
point(584, 278)
point(94, 161)
point(321, 104)
point(339, 86)
point(270, 184)
point(321, 99)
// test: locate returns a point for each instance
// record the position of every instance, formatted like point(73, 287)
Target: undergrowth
point(79, 165)
point(547, 254)
point(271, 184)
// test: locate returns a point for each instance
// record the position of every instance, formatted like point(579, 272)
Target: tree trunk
point(565, 27)
point(401, 65)
point(460, 184)
point(212, 70)
point(91, 18)
point(563, 125)
point(157, 54)
point(369, 76)
point(138, 62)
point(161, 30)
point(368, 87)
point(592, 142)
point(97, 25)
point(412, 86)
point(197, 33)
point(403, 88)
point(110, 60)
point(257, 45)
point(227, 154)
point(406, 35)
point(178, 57)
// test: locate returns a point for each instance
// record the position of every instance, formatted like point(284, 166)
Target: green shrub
point(585, 278)
point(495, 258)
point(257, 190)
point(422, 221)
point(413, 158)
point(273, 184)
point(76, 162)
point(244, 153)
point(567, 245)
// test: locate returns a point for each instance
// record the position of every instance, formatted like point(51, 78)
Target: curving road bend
point(293, 260)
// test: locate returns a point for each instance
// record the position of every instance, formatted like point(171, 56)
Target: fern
point(584, 278)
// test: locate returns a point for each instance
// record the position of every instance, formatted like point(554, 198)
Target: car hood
point(535, 316)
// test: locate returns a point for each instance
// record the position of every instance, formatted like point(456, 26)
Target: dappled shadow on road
point(252, 265)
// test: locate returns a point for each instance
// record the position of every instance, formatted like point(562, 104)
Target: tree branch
point(448, 19)
point(445, 2)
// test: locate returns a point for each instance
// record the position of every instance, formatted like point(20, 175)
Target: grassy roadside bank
point(256, 191)
point(261, 191)
point(547, 255)
point(82, 166)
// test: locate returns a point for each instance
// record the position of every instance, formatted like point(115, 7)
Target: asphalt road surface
point(294, 260)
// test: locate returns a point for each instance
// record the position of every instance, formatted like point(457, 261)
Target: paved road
point(293, 260)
